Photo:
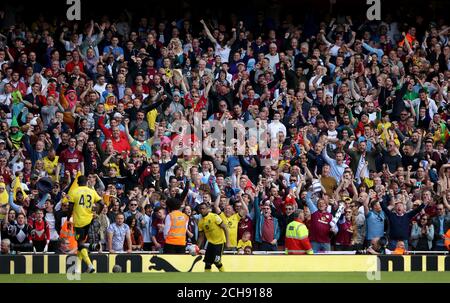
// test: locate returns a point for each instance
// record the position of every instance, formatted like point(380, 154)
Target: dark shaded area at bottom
point(171, 292)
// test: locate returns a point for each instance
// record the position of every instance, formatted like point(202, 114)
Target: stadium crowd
point(360, 112)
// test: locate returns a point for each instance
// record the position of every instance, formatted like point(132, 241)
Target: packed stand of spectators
point(360, 111)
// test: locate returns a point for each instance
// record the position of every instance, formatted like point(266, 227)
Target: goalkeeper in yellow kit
point(82, 200)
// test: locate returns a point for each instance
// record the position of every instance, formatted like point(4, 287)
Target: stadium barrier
point(153, 263)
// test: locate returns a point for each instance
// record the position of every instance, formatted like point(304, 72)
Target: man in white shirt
point(276, 126)
point(100, 86)
point(332, 133)
point(273, 56)
point(6, 97)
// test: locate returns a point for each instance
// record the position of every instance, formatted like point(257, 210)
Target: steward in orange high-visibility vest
point(447, 239)
point(297, 241)
point(68, 233)
point(175, 226)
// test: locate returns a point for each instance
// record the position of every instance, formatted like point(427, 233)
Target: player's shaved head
point(82, 180)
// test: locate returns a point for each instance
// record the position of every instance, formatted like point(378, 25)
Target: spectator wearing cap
point(15, 135)
point(120, 193)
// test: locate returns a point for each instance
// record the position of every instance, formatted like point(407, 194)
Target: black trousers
point(213, 254)
point(174, 249)
point(265, 246)
point(53, 245)
point(39, 245)
point(148, 246)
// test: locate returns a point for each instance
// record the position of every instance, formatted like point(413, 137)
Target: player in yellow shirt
point(231, 216)
point(82, 200)
point(215, 230)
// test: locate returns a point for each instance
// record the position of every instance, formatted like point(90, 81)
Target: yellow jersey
point(242, 244)
point(232, 222)
point(210, 225)
point(151, 119)
point(50, 167)
point(83, 199)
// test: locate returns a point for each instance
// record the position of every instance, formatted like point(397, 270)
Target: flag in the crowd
point(18, 186)
point(72, 187)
